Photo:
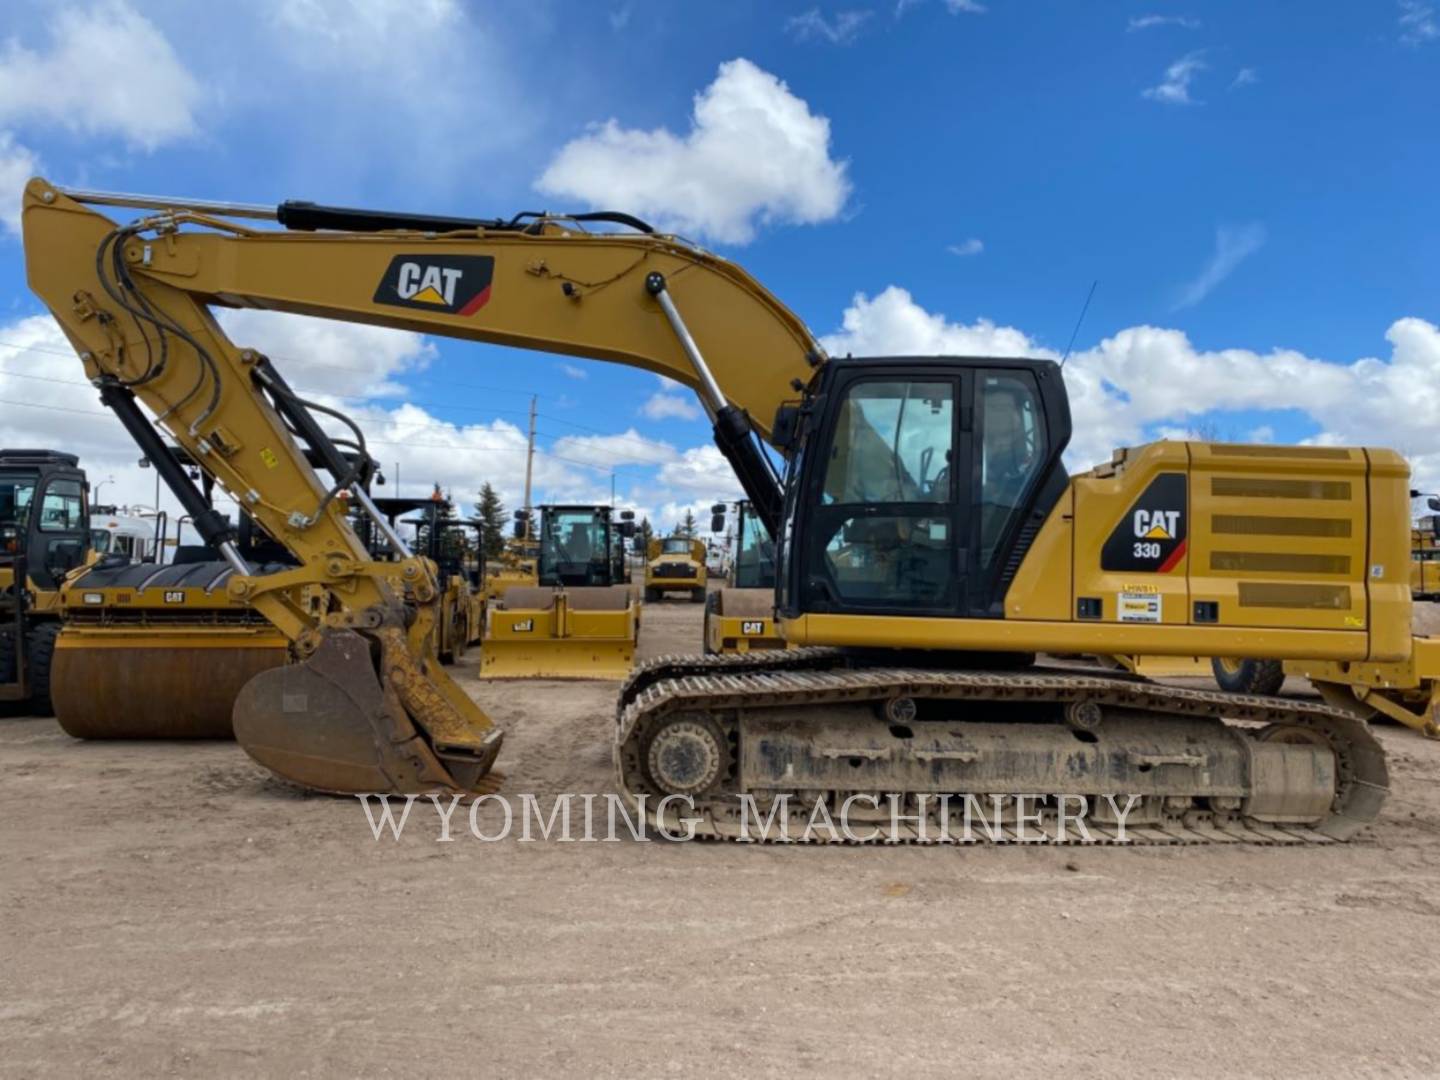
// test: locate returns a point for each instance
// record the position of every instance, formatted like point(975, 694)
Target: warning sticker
point(1137, 606)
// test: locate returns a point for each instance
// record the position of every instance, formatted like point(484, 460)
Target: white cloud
point(574, 371)
point(702, 473)
point(755, 155)
point(325, 356)
point(663, 406)
point(1418, 23)
point(1147, 22)
point(106, 70)
point(893, 324)
point(1244, 77)
point(955, 7)
point(972, 246)
point(1174, 88)
point(1145, 381)
point(17, 165)
point(620, 17)
point(1233, 245)
point(812, 25)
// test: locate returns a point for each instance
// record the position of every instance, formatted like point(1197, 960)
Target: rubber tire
point(40, 650)
point(7, 658)
point(697, 596)
point(712, 607)
point(652, 596)
point(1251, 677)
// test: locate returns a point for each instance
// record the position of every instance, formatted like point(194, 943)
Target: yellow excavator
point(930, 541)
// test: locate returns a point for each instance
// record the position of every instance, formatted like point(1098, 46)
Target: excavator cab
point(916, 486)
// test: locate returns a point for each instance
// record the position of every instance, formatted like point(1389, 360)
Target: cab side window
point(63, 507)
point(1012, 451)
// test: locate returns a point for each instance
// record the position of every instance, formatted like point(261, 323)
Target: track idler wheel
point(336, 723)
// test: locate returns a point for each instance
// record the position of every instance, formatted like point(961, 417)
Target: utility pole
point(612, 489)
point(529, 465)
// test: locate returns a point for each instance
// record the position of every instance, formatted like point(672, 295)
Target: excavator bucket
point(577, 633)
point(336, 723)
point(131, 682)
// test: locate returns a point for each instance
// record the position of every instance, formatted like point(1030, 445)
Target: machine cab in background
point(919, 484)
point(43, 516)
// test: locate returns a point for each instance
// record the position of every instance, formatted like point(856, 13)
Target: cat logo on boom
point(449, 284)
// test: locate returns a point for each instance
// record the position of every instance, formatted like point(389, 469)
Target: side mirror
point(627, 515)
point(718, 509)
point(717, 523)
point(627, 530)
point(1434, 502)
point(785, 433)
point(521, 515)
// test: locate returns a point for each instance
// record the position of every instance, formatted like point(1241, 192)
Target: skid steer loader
point(580, 621)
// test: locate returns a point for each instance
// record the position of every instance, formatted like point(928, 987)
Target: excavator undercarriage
point(772, 746)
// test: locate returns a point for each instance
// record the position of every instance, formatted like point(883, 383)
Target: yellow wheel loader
point(930, 542)
point(580, 621)
point(675, 564)
point(740, 615)
point(44, 534)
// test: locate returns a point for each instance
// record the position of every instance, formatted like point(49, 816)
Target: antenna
point(1084, 308)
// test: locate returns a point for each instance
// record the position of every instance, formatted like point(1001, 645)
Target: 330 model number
point(1147, 550)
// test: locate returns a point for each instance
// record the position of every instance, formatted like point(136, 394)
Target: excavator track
point(823, 726)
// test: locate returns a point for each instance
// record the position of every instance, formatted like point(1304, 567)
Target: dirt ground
point(167, 909)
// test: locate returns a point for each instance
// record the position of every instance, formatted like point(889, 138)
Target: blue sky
point(1251, 185)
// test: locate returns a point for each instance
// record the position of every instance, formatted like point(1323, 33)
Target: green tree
point(644, 533)
point(687, 527)
point(491, 511)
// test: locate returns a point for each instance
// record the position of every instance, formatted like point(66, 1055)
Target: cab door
point(887, 527)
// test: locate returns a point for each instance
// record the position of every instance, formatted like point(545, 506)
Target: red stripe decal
point(481, 299)
point(1175, 557)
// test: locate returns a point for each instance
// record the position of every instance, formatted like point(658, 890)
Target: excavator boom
point(368, 708)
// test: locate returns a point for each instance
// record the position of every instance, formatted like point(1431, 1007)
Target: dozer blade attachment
point(335, 724)
point(576, 633)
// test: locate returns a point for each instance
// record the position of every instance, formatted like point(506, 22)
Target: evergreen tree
point(491, 511)
point(687, 527)
point(644, 533)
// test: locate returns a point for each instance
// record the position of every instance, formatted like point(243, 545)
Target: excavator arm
point(367, 708)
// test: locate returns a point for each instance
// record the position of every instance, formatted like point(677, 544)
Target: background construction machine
point(580, 621)
point(931, 542)
point(44, 534)
point(676, 564)
point(160, 650)
point(459, 570)
point(1425, 557)
point(740, 615)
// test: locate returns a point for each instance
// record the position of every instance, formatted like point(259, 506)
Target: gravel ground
point(169, 910)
